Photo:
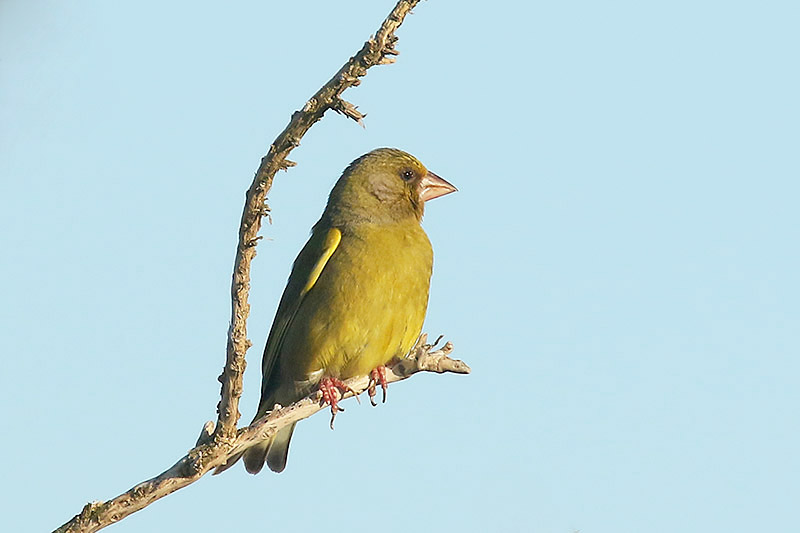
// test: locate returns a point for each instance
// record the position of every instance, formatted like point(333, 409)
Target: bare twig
point(208, 454)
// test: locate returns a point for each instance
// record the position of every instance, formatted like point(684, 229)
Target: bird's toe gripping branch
point(334, 389)
point(377, 376)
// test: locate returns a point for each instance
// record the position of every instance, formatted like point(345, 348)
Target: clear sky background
point(619, 268)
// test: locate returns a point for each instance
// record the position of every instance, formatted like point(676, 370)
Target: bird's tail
point(274, 451)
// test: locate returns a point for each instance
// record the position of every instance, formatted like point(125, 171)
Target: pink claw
point(333, 389)
point(375, 377)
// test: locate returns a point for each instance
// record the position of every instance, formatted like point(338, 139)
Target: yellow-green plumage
point(358, 290)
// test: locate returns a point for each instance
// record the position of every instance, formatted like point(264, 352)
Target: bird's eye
point(407, 174)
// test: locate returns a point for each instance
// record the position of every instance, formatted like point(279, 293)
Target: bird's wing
point(306, 271)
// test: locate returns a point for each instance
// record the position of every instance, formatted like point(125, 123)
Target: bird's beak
point(432, 186)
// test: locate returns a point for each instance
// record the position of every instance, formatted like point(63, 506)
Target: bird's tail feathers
point(254, 457)
point(278, 449)
point(273, 451)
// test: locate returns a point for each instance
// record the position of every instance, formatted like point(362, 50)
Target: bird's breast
point(367, 306)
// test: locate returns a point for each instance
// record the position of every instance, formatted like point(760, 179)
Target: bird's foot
point(333, 389)
point(377, 376)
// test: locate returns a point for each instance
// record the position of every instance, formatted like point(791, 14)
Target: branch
point(216, 446)
point(378, 50)
point(208, 454)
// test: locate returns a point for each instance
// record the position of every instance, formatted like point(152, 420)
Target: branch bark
point(208, 454)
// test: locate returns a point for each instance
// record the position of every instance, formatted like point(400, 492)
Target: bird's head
point(385, 185)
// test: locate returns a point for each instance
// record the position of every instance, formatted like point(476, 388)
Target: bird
point(357, 293)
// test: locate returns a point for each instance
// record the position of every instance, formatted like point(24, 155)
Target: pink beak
point(432, 186)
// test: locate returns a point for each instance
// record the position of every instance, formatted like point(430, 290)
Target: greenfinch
point(357, 293)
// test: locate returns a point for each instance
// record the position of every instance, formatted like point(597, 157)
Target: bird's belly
point(367, 307)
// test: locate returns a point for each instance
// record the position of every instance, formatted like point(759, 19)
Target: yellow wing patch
point(332, 240)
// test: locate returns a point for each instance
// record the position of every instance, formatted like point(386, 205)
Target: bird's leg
point(332, 389)
point(375, 377)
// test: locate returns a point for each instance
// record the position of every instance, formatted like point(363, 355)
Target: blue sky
point(619, 267)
